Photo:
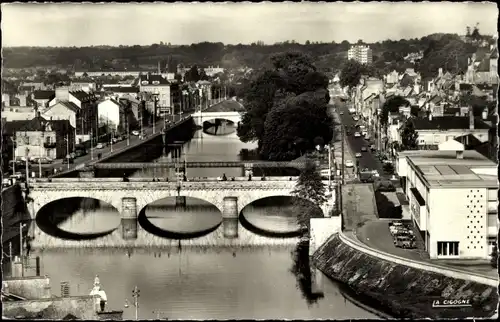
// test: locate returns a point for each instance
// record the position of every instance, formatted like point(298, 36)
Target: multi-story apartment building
point(158, 86)
point(465, 228)
point(360, 53)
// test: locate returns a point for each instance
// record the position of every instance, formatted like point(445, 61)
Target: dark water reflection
point(228, 284)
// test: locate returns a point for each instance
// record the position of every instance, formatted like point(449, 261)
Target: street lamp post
point(67, 149)
point(155, 97)
point(135, 295)
point(330, 167)
point(128, 133)
point(91, 140)
point(27, 166)
point(40, 158)
point(21, 226)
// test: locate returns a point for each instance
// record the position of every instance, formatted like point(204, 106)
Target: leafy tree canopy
point(286, 108)
point(351, 74)
point(409, 137)
point(391, 106)
point(310, 193)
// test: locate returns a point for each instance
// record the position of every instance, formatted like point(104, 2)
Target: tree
point(494, 257)
point(310, 193)
point(301, 117)
point(391, 106)
point(350, 74)
point(475, 35)
point(286, 107)
point(409, 136)
point(192, 74)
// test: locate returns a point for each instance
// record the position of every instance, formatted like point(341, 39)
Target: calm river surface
point(194, 284)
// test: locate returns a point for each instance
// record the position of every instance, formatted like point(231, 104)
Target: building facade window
point(447, 249)
point(48, 140)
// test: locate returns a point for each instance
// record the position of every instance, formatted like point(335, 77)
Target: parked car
point(100, 146)
point(341, 113)
point(349, 164)
point(372, 147)
point(364, 149)
point(358, 155)
point(357, 135)
point(404, 242)
point(136, 133)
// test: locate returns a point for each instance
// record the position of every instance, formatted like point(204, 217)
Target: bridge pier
point(230, 217)
point(129, 218)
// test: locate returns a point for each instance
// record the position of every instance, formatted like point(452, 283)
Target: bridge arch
point(51, 218)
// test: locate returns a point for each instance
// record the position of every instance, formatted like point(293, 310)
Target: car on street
point(100, 146)
point(136, 133)
point(68, 160)
point(355, 118)
point(357, 134)
point(42, 160)
point(372, 147)
point(349, 164)
point(341, 113)
point(358, 155)
point(364, 149)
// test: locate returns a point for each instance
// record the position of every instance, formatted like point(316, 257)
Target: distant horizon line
point(258, 42)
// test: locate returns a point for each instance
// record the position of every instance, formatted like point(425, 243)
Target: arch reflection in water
point(167, 219)
point(271, 217)
point(78, 219)
point(219, 127)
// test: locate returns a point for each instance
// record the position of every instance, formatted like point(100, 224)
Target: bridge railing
point(193, 179)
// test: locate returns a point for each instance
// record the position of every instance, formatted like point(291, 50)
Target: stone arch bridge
point(201, 117)
point(129, 198)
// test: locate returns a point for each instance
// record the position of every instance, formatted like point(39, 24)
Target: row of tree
point(439, 49)
point(286, 108)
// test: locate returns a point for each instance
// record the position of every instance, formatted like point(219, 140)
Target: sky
point(232, 23)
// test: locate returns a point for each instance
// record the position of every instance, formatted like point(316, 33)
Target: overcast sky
point(230, 23)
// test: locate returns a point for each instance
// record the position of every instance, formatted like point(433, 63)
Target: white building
point(110, 113)
point(453, 200)
point(159, 86)
point(360, 53)
point(211, 71)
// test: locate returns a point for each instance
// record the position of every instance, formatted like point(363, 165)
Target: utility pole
point(13, 155)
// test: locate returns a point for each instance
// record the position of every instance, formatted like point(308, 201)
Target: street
point(91, 155)
point(368, 158)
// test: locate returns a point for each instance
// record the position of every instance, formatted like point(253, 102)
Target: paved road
point(368, 159)
point(92, 155)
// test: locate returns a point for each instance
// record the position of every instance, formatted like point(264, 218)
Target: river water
point(196, 284)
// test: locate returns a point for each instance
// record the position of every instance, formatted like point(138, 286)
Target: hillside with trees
point(449, 51)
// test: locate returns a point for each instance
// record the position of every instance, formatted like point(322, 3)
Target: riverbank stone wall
point(399, 290)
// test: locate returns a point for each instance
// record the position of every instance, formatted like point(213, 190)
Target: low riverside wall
point(403, 288)
point(37, 287)
point(81, 307)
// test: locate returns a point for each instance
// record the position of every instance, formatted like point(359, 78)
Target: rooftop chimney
point(440, 72)
point(430, 116)
point(460, 154)
point(485, 114)
point(38, 114)
point(62, 94)
point(471, 119)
